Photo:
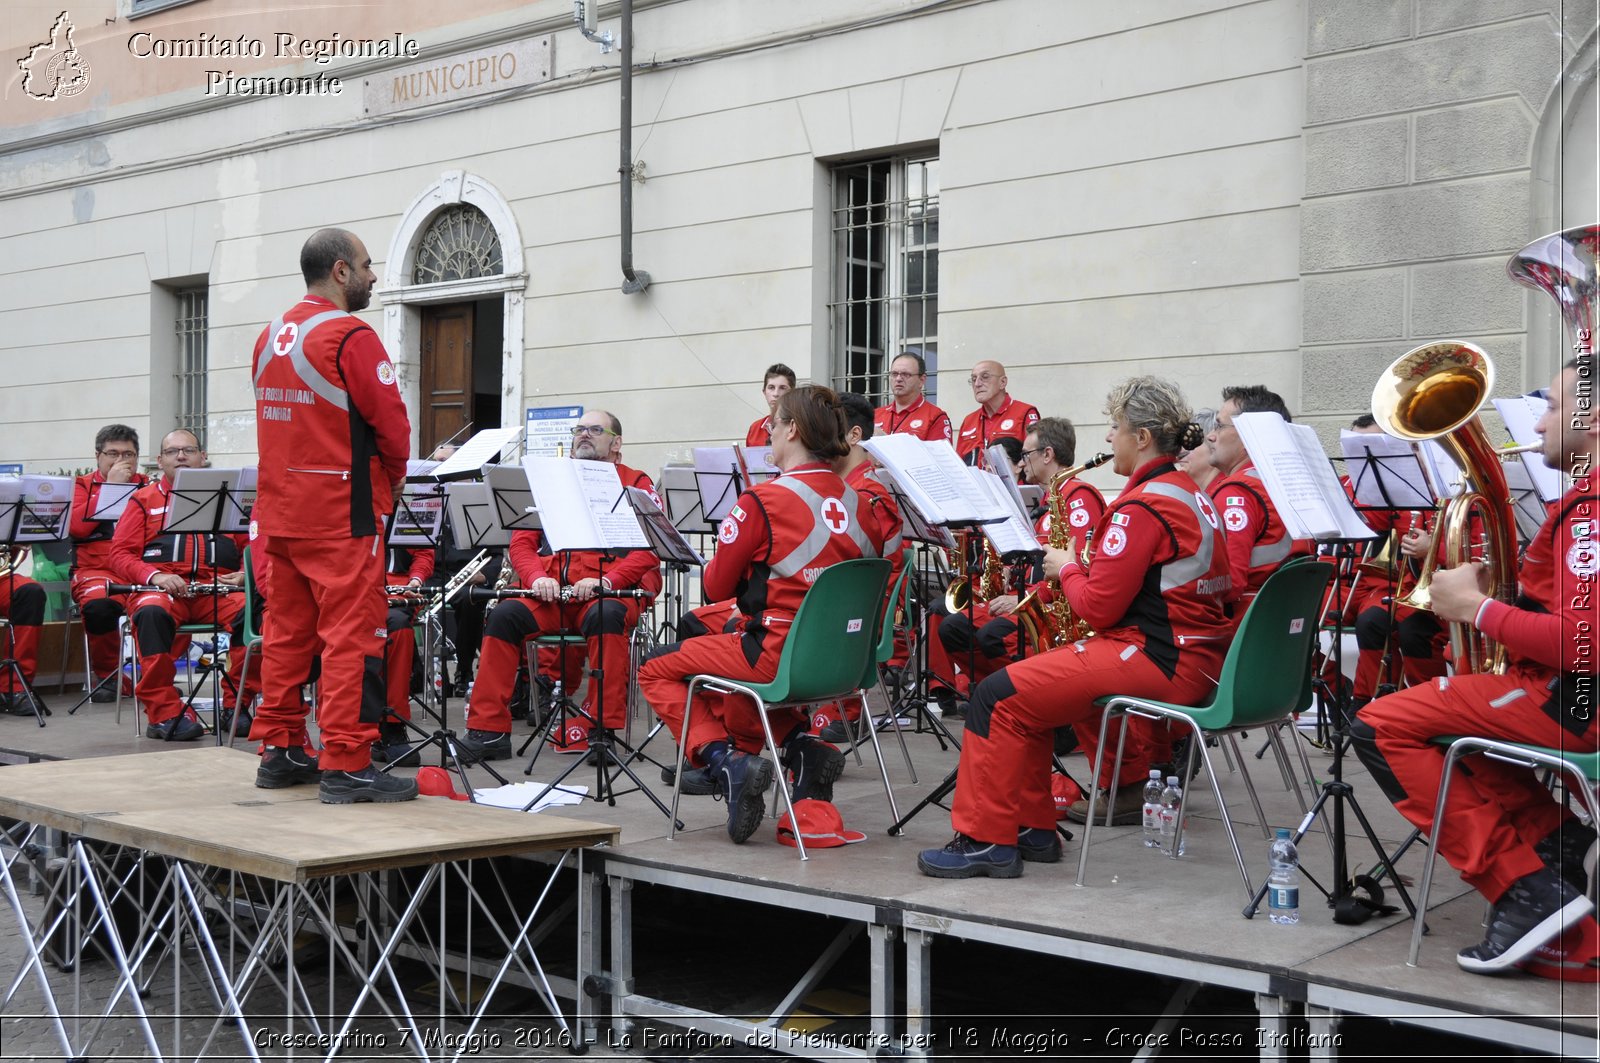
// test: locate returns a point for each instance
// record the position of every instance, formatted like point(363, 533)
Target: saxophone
point(1046, 627)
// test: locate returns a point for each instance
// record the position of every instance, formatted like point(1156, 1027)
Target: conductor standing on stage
point(332, 432)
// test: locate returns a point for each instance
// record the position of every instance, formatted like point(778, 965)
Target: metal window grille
point(885, 271)
point(191, 375)
point(460, 244)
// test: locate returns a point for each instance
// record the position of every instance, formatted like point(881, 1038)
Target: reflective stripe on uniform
point(1184, 570)
point(296, 354)
point(816, 540)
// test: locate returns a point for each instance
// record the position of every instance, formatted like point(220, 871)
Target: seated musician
point(173, 563)
point(998, 414)
point(410, 569)
point(1507, 836)
point(116, 454)
point(856, 468)
point(949, 681)
point(1258, 542)
point(604, 622)
point(772, 545)
point(1153, 593)
point(778, 379)
point(22, 601)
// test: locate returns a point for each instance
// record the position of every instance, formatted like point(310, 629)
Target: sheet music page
point(939, 483)
point(420, 467)
point(716, 477)
point(480, 450)
point(1391, 478)
point(758, 462)
point(580, 504)
point(47, 504)
point(10, 507)
point(111, 501)
point(1298, 477)
point(1014, 535)
point(917, 524)
point(1520, 415)
point(1000, 465)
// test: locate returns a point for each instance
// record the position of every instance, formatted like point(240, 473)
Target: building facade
point(1287, 192)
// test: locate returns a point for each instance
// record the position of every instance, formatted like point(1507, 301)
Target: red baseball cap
point(821, 826)
point(434, 781)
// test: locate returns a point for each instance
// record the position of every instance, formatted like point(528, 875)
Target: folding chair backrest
point(1264, 675)
point(833, 642)
point(250, 630)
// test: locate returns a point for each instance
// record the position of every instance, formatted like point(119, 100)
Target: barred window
point(885, 271)
point(191, 374)
point(460, 244)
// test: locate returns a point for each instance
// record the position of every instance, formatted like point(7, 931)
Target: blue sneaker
point(742, 779)
point(1039, 845)
point(965, 857)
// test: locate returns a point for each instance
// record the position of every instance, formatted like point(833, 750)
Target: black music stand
point(618, 528)
point(213, 503)
point(30, 518)
point(108, 507)
point(471, 513)
point(1336, 796)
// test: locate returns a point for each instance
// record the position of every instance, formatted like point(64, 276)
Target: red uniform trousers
point(605, 623)
point(100, 610)
point(400, 654)
point(326, 596)
point(1497, 812)
point(1418, 637)
point(664, 682)
point(1004, 781)
point(22, 602)
point(156, 618)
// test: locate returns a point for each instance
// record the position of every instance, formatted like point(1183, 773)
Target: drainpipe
point(634, 280)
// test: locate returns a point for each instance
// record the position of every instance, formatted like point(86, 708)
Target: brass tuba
point(1562, 265)
point(1046, 627)
point(1434, 392)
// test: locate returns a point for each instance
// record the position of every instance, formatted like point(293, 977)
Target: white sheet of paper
point(935, 479)
point(515, 795)
point(46, 510)
point(111, 500)
point(1520, 415)
point(717, 479)
point(1397, 482)
point(1299, 478)
point(480, 450)
point(581, 505)
point(1014, 534)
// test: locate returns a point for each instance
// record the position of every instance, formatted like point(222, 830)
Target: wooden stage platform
point(1300, 988)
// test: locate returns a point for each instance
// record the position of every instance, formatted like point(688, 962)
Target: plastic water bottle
point(1171, 816)
point(1152, 810)
point(1283, 888)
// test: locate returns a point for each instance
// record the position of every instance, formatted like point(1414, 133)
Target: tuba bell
point(1433, 392)
point(1562, 265)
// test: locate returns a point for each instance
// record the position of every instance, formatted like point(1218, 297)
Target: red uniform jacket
point(759, 433)
point(91, 539)
point(779, 537)
point(922, 419)
point(981, 429)
point(140, 549)
point(628, 568)
point(1552, 628)
point(1257, 540)
point(1159, 573)
point(331, 427)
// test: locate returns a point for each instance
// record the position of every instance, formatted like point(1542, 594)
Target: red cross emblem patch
point(834, 516)
point(283, 342)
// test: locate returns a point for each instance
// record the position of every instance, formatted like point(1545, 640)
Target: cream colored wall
point(1120, 195)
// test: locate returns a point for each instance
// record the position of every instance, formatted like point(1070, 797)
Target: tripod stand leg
point(935, 796)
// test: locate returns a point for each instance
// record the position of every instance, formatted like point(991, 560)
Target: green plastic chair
point(1582, 768)
point(250, 635)
point(1255, 687)
point(866, 726)
point(830, 652)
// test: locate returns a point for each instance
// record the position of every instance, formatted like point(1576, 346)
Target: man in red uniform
point(774, 542)
point(410, 569)
point(1507, 836)
point(1152, 592)
point(998, 414)
point(116, 453)
point(779, 378)
point(604, 622)
point(142, 553)
point(1258, 542)
point(910, 411)
point(332, 432)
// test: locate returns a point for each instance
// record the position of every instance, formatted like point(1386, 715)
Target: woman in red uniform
point(1153, 592)
point(779, 536)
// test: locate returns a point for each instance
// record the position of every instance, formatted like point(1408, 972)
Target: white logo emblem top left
point(283, 342)
point(54, 69)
